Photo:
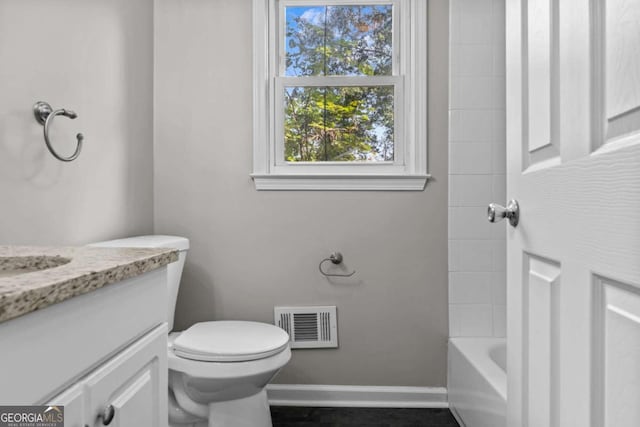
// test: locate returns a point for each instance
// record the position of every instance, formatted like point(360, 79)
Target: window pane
point(339, 40)
point(338, 124)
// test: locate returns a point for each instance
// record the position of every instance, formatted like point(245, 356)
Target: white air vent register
point(309, 327)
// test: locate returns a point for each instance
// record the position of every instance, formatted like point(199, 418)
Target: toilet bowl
point(217, 370)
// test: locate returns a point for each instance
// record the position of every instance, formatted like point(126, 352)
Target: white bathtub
point(477, 381)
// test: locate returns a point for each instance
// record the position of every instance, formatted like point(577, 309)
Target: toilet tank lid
point(153, 241)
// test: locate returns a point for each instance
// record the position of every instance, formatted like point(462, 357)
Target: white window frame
point(408, 170)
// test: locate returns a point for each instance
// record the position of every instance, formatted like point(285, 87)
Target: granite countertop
point(32, 278)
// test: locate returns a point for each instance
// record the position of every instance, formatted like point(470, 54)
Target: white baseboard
point(357, 396)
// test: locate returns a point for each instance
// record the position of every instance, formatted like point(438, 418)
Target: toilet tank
point(174, 270)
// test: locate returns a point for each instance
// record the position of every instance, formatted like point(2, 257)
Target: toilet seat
point(230, 341)
point(218, 370)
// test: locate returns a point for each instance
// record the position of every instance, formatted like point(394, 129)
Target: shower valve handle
point(496, 213)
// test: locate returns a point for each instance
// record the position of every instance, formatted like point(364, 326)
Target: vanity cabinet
point(126, 391)
point(101, 352)
point(73, 401)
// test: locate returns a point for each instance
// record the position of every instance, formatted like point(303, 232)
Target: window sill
point(340, 182)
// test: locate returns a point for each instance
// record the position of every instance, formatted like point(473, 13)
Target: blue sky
point(316, 16)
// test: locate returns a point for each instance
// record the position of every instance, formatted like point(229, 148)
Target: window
point(340, 94)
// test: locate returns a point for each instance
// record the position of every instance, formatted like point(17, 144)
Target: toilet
point(218, 370)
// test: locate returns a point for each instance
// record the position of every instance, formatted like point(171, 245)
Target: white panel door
point(573, 137)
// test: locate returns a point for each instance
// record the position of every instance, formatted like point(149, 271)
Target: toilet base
point(252, 411)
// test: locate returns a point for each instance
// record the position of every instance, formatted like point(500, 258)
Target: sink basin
point(17, 265)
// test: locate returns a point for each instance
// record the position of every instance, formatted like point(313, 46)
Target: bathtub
point(477, 381)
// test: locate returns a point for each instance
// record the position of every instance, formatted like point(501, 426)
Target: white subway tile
point(471, 126)
point(499, 231)
point(499, 157)
point(499, 288)
point(477, 168)
point(499, 321)
point(454, 322)
point(476, 22)
point(470, 255)
point(470, 288)
point(471, 320)
point(472, 59)
point(499, 255)
point(499, 60)
point(470, 223)
point(499, 92)
point(450, 223)
point(455, 12)
point(470, 190)
point(454, 251)
point(472, 92)
point(498, 188)
point(475, 7)
point(499, 126)
point(470, 158)
point(499, 22)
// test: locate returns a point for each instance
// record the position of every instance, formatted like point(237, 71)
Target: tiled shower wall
point(477, 255)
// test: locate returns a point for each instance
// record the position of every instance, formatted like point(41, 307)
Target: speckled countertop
point(32, 278)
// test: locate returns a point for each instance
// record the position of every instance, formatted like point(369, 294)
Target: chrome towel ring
point(44, 115)
point(335, 258)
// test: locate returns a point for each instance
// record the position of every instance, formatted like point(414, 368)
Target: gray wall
point(252, 250)
point(95, 57)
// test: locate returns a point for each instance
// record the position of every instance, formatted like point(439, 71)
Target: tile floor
point(360, 417)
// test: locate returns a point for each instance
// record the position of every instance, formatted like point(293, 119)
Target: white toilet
point(217, 370)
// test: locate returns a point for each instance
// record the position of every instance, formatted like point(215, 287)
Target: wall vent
point(309, 327)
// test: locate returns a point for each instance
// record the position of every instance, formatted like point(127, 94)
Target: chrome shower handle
point(496, 213)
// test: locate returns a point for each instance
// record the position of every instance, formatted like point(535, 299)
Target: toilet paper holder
point(335, 258)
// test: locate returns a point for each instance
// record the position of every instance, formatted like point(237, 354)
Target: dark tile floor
point(360, 417)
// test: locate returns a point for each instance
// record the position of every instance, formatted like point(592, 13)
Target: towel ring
point(44, 115)
point(335, 258)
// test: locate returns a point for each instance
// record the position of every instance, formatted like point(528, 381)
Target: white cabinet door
point(573, 136)
point(73, 401)
point(132, 385)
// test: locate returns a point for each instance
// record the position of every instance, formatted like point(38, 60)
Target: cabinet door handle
point(107, 415)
